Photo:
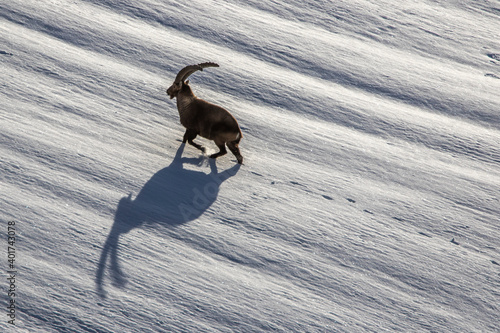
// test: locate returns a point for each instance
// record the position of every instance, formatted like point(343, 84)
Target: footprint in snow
point(494, 56)
point(492, 75)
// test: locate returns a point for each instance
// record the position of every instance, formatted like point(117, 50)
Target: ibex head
point(184, 73)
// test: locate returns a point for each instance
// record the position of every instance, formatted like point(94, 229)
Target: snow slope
point(370, 196)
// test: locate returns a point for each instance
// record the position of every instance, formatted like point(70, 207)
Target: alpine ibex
point(202, 118)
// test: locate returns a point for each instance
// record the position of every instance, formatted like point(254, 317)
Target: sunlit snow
point(369, 200)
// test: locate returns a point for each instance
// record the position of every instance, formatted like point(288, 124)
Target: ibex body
point(200, 117)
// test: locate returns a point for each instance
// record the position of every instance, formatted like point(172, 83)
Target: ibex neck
point(183, 102)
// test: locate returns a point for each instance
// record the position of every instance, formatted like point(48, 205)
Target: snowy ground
point(370, 196)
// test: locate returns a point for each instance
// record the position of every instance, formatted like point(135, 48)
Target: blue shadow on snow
point(171, 197)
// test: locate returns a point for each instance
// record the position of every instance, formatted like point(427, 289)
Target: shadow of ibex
point(171, 197)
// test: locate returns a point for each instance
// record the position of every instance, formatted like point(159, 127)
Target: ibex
point(202, 118)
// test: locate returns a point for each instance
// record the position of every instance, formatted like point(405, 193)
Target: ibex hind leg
point(235, 149)
point(189, 136)
point(222, 150)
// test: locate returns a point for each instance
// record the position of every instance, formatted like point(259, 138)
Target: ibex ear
point(187, 82)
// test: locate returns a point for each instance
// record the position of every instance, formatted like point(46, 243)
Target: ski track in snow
point(369, 200)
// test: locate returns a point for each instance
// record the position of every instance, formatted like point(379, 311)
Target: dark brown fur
point(208, 120)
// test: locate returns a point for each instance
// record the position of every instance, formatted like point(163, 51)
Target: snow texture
point(369, 200)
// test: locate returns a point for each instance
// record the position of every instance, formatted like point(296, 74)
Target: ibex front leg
point(189, 136)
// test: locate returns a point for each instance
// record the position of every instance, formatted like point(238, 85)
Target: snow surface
point(370, 196)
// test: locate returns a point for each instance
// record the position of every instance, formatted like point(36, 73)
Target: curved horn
point(188, 70)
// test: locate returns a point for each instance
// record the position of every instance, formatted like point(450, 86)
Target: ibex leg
point(222, 148)
point(234, 148)
point(189, 136)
